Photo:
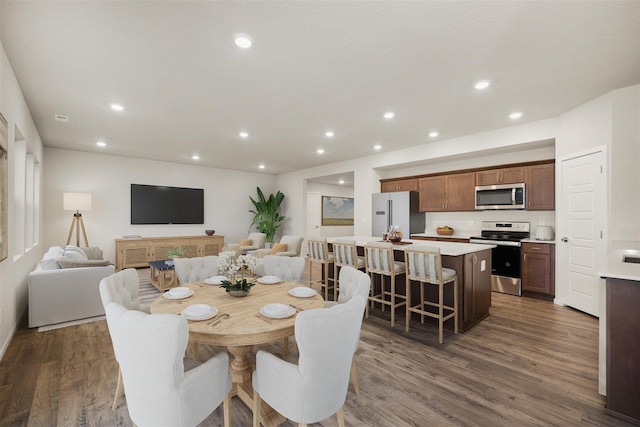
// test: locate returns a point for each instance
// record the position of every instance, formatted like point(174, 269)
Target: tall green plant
point(265, 213)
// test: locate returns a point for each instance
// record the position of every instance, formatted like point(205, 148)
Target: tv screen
point(152, 204)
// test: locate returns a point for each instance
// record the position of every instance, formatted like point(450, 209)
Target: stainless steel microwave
point(504, 196)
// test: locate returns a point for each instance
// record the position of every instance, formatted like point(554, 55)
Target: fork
point(297, 309)
point(220, 319)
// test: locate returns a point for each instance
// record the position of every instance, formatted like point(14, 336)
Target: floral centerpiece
point(235, 270)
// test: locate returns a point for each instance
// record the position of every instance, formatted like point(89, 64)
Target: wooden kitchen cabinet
point(399, 185)
point(447, 193)
point(538, 268)
point(541, 187)
point(501, 176)
point(132, 253)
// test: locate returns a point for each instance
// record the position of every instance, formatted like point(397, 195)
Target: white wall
point(337, 191)
point(109, 178)
point(15, 269)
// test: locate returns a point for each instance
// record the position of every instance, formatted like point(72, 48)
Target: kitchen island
point(471, 262)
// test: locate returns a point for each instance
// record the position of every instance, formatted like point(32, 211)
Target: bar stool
point(319, 254)
point(424, 265)
point(345, 253)
point(379, 260)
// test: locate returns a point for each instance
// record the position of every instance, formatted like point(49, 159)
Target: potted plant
point(265, 214)
point(236, 284)
point(174, 253)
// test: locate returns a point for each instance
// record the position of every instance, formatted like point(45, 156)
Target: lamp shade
point(76, 201)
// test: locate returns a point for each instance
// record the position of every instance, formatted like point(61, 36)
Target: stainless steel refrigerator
point(397, 208)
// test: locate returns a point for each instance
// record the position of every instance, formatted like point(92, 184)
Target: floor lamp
point(77, 202)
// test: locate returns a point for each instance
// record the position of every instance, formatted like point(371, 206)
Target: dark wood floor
point(530, 363)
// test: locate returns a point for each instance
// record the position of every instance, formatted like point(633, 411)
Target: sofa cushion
point(278, 247)
point(246, 242)
point(49, 259)
point(69, 249)
point(73, 255)
point(92, 252)
point(69, 263)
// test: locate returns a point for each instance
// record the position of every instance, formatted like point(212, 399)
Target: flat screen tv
point(153, 204)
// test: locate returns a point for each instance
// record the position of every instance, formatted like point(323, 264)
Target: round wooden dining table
point(244, 328)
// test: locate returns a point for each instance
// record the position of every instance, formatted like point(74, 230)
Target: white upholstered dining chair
point(196, 269)
point(286, 268)
point(353, 282)
point(123, 288)
point(161, 389)
point(316, 387)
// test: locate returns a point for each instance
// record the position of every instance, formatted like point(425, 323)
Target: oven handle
point(495, 242)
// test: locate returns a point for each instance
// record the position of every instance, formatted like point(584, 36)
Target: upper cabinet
point(399, 185)
point(449, 193)
point(501, 176)
point(541, 183)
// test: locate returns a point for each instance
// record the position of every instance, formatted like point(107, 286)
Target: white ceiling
point(314, 66)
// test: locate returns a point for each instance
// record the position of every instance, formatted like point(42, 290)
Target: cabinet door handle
point(535, 249)
point(525, 257)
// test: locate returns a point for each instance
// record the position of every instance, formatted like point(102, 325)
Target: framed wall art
point(4, 188)
point(337, 210)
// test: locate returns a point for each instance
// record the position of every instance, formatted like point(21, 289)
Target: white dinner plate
point(199, 312)
point(168, 295)
point(215, 280)
point(269, 280)
point(277, 311)
point(302, 292)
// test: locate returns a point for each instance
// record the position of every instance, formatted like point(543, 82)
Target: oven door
point(505, 261)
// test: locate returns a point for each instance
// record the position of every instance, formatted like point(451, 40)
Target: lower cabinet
point(132, 253)
point(538, 268)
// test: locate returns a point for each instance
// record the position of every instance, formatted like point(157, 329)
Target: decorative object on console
point(232, 267)
point(210, 232)
point(77, 202)
point(174, 253)
point(265, 215)
point(444, 231)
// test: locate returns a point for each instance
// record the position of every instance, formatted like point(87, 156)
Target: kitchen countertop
point(455, 235)
point(616, 269)
point(551, 242)
point(446, 248)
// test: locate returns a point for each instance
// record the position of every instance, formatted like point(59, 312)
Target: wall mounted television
point(154, 204)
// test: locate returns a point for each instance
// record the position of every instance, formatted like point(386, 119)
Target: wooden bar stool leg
point(422, 303)
point(440, 312)
point(393, 299)
point(407, 288)
point(455, 304)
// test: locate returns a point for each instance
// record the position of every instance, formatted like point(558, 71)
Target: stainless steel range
point(506, 276)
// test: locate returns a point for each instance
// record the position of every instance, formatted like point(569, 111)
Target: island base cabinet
point(623, 356)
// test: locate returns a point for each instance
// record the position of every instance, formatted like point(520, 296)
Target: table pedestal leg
point(241, 371)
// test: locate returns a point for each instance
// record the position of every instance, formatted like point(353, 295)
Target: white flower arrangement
point(231, 267)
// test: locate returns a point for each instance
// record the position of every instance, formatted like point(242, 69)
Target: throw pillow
point(73, 255)
point(92, 252)
point(278, 247)
point(246, 242)
point(69, 249)
point(69, 263)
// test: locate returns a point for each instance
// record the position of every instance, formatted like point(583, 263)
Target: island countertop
point(446, 248)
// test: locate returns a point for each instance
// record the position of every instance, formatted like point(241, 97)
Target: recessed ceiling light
point(515, 115)
point(61, 118)
point(242, 40)
point(389, 115)
point(482, 84)
point(243, 134)
point(329, 134)
point(116, 107)
point(101, 144)
point(433, 134)
point(341, 182)
point(195, 157)
point(377, 147)
point(261, 166)
point(320, 151)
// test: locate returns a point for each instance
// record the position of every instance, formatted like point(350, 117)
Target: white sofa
point(59, 294)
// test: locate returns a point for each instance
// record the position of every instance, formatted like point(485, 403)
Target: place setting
point(178, 293)
point(269, 280)
point(276, 311)
point(302, 292)
point(199, 312)
point(215, 280)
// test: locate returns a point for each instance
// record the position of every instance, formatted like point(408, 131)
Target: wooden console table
point(132, 253)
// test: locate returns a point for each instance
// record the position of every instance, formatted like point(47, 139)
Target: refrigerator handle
point(389, 210)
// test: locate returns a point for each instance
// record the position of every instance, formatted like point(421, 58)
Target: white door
point(581, 225)
point(313, 214)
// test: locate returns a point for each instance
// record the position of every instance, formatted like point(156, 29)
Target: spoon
point(297, 309)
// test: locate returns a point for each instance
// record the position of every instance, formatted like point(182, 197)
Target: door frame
point(561, 252)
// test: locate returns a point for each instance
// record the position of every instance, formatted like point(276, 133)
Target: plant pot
point(238, 293)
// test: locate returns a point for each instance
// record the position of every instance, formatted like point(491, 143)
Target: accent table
point(242, 330)
point(162, 275)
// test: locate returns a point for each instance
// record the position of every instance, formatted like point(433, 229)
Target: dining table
point(239, 325)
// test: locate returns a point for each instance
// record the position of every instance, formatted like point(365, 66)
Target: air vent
point(61, 118)
point(633, 259)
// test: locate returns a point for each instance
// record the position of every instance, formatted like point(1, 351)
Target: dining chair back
point(318, 253)
point(346, 254)
point(316, 388)
point(424, 265)
point(380, 261)
point(286, 268)
point(160, 392)
point(196, 269)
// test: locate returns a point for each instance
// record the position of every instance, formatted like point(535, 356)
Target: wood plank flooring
point(530, 363)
